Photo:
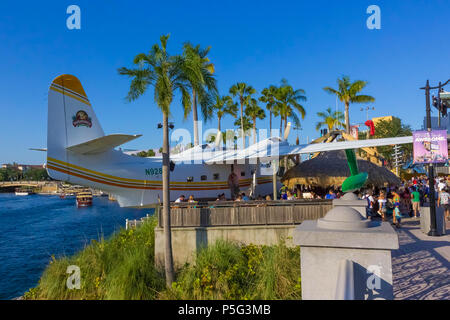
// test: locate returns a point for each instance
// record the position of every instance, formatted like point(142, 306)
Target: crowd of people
point(406, 200)
point(396, 201)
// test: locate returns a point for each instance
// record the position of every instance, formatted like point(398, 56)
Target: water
point(35, 227)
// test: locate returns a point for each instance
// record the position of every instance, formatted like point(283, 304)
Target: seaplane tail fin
point(71, 120)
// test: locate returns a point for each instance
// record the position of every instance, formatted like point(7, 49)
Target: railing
point(248, 213)
point(21, 183)
point(345, 287)
point(135, 223)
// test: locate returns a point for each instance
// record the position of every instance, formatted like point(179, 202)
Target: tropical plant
point(330, 119)
point(347, 93)
point(254, 112)
point(198, 71)
point(389, 129)
point(222, 106)
point(247, 125)
point(244, 92)
point(268, 97)
point(145, 154)
point(288, 104)
point(165, 74)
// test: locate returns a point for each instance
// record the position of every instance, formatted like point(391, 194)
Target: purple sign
point(430, 147)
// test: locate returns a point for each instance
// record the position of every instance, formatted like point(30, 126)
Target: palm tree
point(330, 119)
point(199, 73)
point(288, 104)
point(347, 93)
point(222, 106)
point(268, 97)
point(244, 92)
point(165, 74)
point(254, 111)
point(247, 125)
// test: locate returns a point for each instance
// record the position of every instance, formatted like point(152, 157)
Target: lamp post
point(433, 223)
point(367, 117)
point(367, 111)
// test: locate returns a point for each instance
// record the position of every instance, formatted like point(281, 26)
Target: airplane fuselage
point(137, 181)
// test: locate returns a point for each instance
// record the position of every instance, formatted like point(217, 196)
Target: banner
point(430, 147)
point(354, 131)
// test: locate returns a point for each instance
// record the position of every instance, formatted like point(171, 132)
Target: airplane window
point(190, 179)
point(216, 176)
point(203, 178)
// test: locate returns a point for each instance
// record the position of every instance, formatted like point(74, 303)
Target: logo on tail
point(81, 119)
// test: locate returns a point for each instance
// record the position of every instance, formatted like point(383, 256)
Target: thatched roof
point(331, 169)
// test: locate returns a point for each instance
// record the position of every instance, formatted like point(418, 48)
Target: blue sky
point(310, 43)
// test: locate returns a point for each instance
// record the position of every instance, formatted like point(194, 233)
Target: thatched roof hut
point(330, 169)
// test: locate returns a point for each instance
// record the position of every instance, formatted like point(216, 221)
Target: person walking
point(415, 200)
point(382, 205)
point(444, 200)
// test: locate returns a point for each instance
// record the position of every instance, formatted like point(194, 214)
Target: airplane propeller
point(287, 131)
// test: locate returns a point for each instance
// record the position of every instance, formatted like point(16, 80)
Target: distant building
point(22, 167)
point(445, 123)
point(386, 118)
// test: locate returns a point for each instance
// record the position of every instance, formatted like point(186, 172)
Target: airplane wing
point(274, 148)
point(102, 144)
point(38, 149)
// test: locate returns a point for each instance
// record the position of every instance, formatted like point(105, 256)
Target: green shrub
point(123, 267)
point(229, 271)
point(119, 268)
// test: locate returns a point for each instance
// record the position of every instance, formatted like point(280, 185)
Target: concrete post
point(425, 220)
point(351, 200)
point(344, 235)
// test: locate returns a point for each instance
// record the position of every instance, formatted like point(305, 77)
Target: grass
point(229, 271)
point(119, 268)
point(122, 267)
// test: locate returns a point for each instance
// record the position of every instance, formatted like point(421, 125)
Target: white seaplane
point(79, 152)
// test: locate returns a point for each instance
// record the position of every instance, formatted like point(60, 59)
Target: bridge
point(20, 183)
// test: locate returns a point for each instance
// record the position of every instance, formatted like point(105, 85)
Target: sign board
point(354, 131)
point(267, 168)
point(430, 147)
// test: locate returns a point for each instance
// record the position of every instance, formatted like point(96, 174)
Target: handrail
point(345, 286)
point(251, 203)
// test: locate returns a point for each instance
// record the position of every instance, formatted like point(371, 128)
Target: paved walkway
point(421, 266)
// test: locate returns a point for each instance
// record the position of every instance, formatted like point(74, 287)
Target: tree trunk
point(281, 126)
point(270, 123)
point(254, 130)
point(347, 118)
point(195, 116)
point(168, 258)
point(242, 124)
point(282, 137)
point(218, 130)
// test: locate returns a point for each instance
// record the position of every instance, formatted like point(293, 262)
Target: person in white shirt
point(370, 202)
point(180, 199)
point(441, 185)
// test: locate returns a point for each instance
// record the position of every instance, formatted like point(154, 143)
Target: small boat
point(23, 191)
point(84, 199)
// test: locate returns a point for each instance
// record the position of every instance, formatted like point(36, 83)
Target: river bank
point(38, 227)
point(123, 267)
